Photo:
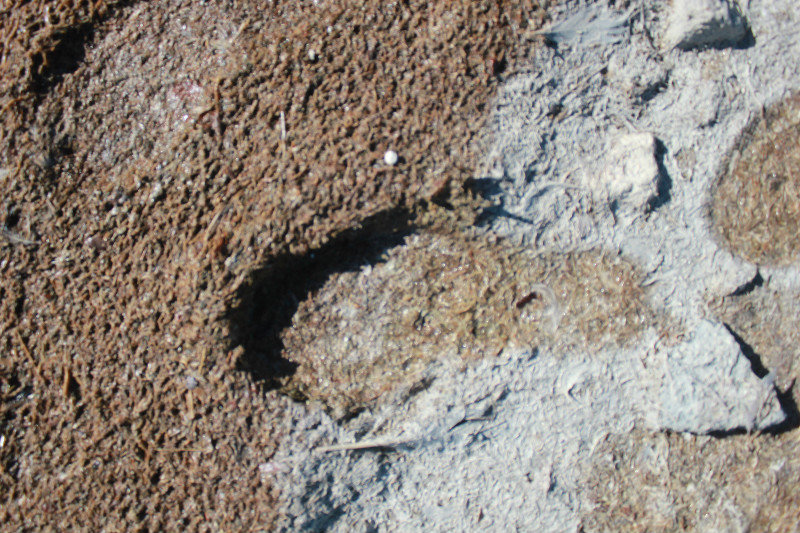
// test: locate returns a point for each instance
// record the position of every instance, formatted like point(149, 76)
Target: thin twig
point(364, 445)
point(214, 223)
point(36, 370)
point(15, 238)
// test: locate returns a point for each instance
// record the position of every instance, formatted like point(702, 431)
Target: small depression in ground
point(372, 331)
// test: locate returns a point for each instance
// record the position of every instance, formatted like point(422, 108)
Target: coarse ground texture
point(670, 482)
point(369, 333)
point(648, 481)
point(212, 283)
point(522, 440)
point(662, 482)
point(755, 206)
point(157, 158)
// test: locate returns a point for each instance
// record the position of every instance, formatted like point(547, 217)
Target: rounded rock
point(390, 158)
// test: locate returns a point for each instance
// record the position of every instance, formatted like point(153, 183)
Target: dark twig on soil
point(36, 367)
point(365, 445)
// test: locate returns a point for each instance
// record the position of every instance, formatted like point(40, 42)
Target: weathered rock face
point(631, 174)
point(704, 23)
point(707, 383)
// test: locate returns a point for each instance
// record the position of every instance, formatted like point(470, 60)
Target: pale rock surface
point(630, 177)
point(699, 23)
point(637, 79)
point(706, 384)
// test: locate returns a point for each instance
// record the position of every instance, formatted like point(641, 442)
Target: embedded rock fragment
point(631, 173)
point(708, 385)
point(699, 23)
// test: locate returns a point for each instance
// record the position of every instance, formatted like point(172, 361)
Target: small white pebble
point(156, 193)
point(390, 157)
point(231, 260)
point(312, 55)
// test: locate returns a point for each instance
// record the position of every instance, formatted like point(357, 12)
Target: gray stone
point(708, 385)
point(630, 177)
point(701, 23)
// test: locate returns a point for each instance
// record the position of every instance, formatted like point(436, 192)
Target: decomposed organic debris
point(756, 204)
point(367, 333)
point(642, 482)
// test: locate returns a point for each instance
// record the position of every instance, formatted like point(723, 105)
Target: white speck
point(390, 157)
point(2, 440)
point(156, 193)
point(191, 382)
point(270, 468)
point(312, 55)
point(231, 261)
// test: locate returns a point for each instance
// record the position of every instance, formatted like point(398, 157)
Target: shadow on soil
point(664, 183)
point(64, 57)
point(270, 301)
point(65, 49)
point(490, 189)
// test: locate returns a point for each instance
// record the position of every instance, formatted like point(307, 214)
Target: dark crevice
point(12, 217)
point(271, 299)
point(785, 398)
point(652, 91)
point(72, 387)
point(747, 40)
point(664, 184)
point(789, 406)
point(487, 188)
point(720, 434)
point(64, 57)
point(749, 287)
point(490, 189)
point(756, 364)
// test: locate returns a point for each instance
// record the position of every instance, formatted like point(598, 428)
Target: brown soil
point(369, 333)
point(148, 187)
point(668, 482)
point(756, 204)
